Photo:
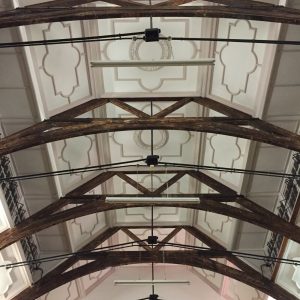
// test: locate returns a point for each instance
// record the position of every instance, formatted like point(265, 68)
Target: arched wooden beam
point(58, 130)
point(105, 260)
point(27, 16)
point(33, 225)
point(70, 3)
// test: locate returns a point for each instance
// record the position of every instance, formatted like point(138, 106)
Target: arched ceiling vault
point(65, 125)
point(50, 12)
point(102, 260)
point(89, 204)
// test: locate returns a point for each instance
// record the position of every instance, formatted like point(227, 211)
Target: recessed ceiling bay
point(61, 78)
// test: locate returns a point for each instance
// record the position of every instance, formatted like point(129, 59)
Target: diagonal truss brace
point(250, 10)
point(102, 260)
point(216, 203)
point(65, 125)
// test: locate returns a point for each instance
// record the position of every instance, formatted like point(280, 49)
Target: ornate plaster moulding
point(5, 279)
point(296, 275)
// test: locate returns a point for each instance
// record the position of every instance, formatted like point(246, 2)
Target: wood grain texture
point(69, 128)
point(272, 223)
point(103, 260)
point(28, 16)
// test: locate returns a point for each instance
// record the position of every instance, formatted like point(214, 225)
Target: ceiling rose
point(142, 139)
point(135, 52)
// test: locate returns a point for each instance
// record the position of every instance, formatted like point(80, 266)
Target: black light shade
point(152, 35)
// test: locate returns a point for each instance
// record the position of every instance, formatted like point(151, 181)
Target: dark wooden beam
point(24, 229)
point(221, 108)
point(60, 3)
point(80, 109)
point(243, 3)
point(208, 241)
point(268, 127)
point(232, 3)
point(136, 239)
point(125, 3)
point(28, 16)
point(172, 234)
point(210, 253)
point(134, 184)
point(36, 128)
point(214, 197)
point(254, 207)
point(63, 125)
point(173, 2)
point(91, 184)
point(170, 109)
point(285, 241)
point(167, 184)
point(68, 263)
point(129, 108)
point(85, 126)
point(50, 209)
point(105, 260)
point(211, 182)
point(70, 3)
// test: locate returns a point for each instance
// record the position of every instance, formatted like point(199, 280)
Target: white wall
point(198, 289)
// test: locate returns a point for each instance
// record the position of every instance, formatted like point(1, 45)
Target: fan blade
point(144, 298)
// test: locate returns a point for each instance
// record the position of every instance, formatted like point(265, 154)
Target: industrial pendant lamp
point(152, 35)
point(153, 63)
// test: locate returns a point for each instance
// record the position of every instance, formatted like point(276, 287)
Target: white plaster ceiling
point(15, 279)
point(62, 78)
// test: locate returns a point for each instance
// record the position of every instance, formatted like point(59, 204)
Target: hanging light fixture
point(150, 282)
point(153, 63)
point(142, 200)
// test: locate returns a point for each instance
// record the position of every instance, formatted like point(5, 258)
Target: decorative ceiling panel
point(153, 182)
point(287, 271)
point(162, 215)
point(89, 282)
point(237, 72)
point(219, 226)
point(214, 280)
point(82, 229)
point(169, 145)
point(235, 290)
point(228, 152)
point(61, 70)
point(62, 73)
point(73, 153)
point(151, 80)
point(16, 279)
point(161, 233)
point(67, 291)
point(34, 160)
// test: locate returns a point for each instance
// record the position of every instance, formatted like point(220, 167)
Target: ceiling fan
point(151, 297)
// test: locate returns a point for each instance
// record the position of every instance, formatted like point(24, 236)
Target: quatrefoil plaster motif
point(60, 62)
point(239, 60)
